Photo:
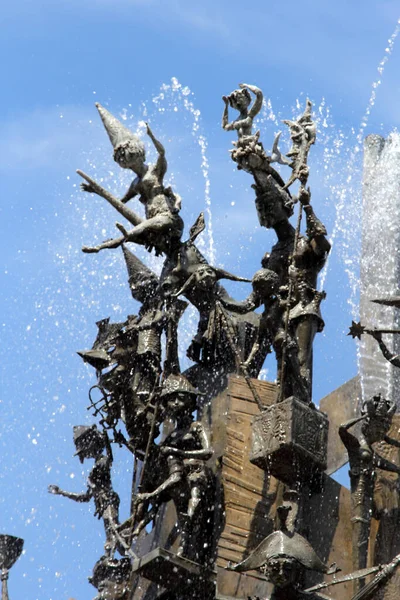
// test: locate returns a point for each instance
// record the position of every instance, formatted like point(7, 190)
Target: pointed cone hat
point(117, 132)
point(178, 384)
point(137, 271)
point(283, 543)
point(99, 359)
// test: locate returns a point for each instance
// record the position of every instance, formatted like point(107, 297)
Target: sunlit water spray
point(346, 234)
point(380, 261)
point(348, 198)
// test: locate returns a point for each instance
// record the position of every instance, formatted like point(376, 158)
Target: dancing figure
point(163, 226)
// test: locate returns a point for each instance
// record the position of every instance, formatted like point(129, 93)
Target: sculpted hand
point(53, 489)
point(304, 196)
point(377, 335)
point(122, 229)
point(87, 187)
point(225, 99)
point(89, 250)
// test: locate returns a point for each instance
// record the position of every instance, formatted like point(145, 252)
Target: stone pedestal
point(290, 441)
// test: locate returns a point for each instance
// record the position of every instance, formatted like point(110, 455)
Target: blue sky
point(57, 60)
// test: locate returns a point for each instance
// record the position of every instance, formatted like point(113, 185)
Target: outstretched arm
point(385, 465)
point(394, 359)
point(392, 441)
point(257, 105)
point(161, 164)
point(107, 445)
point(248, 305)
point(54, 489)
point(168, 483)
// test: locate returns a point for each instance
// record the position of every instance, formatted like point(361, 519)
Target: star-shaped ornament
point(356, 330)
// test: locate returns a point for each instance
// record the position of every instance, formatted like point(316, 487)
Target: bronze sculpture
point(375, 422)
point(10, 550)
point(90, 443)
point(163, 225)
point(189, 482)
point(283, 557)
point(240, 100)
point(180, 454)
point(295, 258)
point(111, 578)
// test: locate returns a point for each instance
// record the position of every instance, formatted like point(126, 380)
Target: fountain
point(230, 474)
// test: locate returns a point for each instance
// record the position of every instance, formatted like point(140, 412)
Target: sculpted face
point(282, 571)
point(205, 277)
point(239, 99)
point(179, 403)
point(143, 289)
point(130, 155)
point(380, 413)
point(271, 212)
point(265, 283)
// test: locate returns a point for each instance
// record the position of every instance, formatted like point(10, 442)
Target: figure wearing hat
point(216, 340)
point(111, 578)
point(155, 316)
point(90, 443)
point(163, 226)
point(133, 349)
point(376, 417)
point(271, 331)
point(188, 482)
point(284, 556)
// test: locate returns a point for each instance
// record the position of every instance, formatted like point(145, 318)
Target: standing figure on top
point(163, 226)
point(248, 153)
point(295, 258)
point(240, 100)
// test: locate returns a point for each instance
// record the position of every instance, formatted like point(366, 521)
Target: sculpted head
point(130, 154)
point(240, 99)
point(379, 413)
point(283, 571)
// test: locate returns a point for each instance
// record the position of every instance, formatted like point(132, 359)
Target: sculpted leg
point(112, 243)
